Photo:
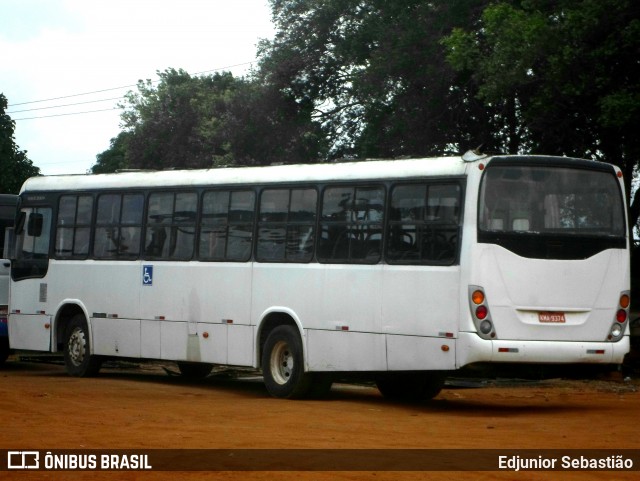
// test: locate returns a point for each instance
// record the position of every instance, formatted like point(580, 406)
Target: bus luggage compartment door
point(31, 332)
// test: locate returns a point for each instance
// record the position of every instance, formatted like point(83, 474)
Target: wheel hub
point(77, 347)
point(282, 363)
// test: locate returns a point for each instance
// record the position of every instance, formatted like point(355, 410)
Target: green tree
point(375, 73)
point(202, 122)
point(115, 157)
point(15, 167)
point(564, 74)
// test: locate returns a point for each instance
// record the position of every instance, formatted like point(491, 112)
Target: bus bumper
point(471, 349)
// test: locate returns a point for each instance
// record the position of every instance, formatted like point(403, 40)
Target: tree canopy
point(15, 166)
point(565, 74)
point(373, 78)
point(202, 122)
point(376, 74)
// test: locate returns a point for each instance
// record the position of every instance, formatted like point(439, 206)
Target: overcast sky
point(57, 49)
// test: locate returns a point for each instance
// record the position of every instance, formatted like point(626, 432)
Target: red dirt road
point(144, 408)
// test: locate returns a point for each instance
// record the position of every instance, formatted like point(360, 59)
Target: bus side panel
point(322, 296)
point(411, 353)
point(421, 300)
point(345, 351)
point(214, 296)
point(116, 337)
point(150, 339)
point(174, 341)
point(30, 331)
point(213, 343)
point(240, 345)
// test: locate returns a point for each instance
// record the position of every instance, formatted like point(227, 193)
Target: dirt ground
point(146, 407)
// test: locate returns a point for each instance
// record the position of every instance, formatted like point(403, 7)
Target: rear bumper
point(471, 349)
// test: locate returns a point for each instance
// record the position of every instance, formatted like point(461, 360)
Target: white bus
point(8, 203)
point(403, 270)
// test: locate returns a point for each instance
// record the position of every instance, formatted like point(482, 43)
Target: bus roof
point(293, 173)
point(344, 171)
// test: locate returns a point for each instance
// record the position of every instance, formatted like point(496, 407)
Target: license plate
point(552, 317)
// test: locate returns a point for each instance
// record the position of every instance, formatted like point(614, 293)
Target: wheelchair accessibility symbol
point(147, 275)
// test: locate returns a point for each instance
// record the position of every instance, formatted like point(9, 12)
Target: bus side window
point(131, 230)
point(170, 226)
point(351, 224)
point(287, 225)
point(226, 227)
point(118, 226)
point(73, 229)
point(424, 225)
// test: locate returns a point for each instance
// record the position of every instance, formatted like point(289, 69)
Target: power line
point(63, 105)
point(123, 87)
point(69, 96)
point(70, 113)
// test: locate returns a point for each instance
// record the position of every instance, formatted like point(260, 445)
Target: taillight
point(625, 301)
point(477, 297)
point(622, 316)
point(480, 312)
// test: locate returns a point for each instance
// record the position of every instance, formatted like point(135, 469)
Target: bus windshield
point(552, 202)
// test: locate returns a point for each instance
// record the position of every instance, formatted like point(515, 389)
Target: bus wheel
point(410, 386)
point(194, 370)
point(283, 364)
point(77, 347)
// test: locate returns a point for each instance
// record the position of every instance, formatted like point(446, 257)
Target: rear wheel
point(283, 364)
point(410, 385)
point(77, 349)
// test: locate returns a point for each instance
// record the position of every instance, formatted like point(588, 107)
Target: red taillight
point(481, 312)
point(621, 316)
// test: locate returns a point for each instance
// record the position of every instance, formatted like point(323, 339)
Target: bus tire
point(78, 360)
point(194, 370)
point(283, 364)
point(409, 385)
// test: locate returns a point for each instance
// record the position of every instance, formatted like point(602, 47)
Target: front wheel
point(283, 364)
point(77, 350)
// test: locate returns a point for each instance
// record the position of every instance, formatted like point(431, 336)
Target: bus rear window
point(551, 212)
point(550, 200)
